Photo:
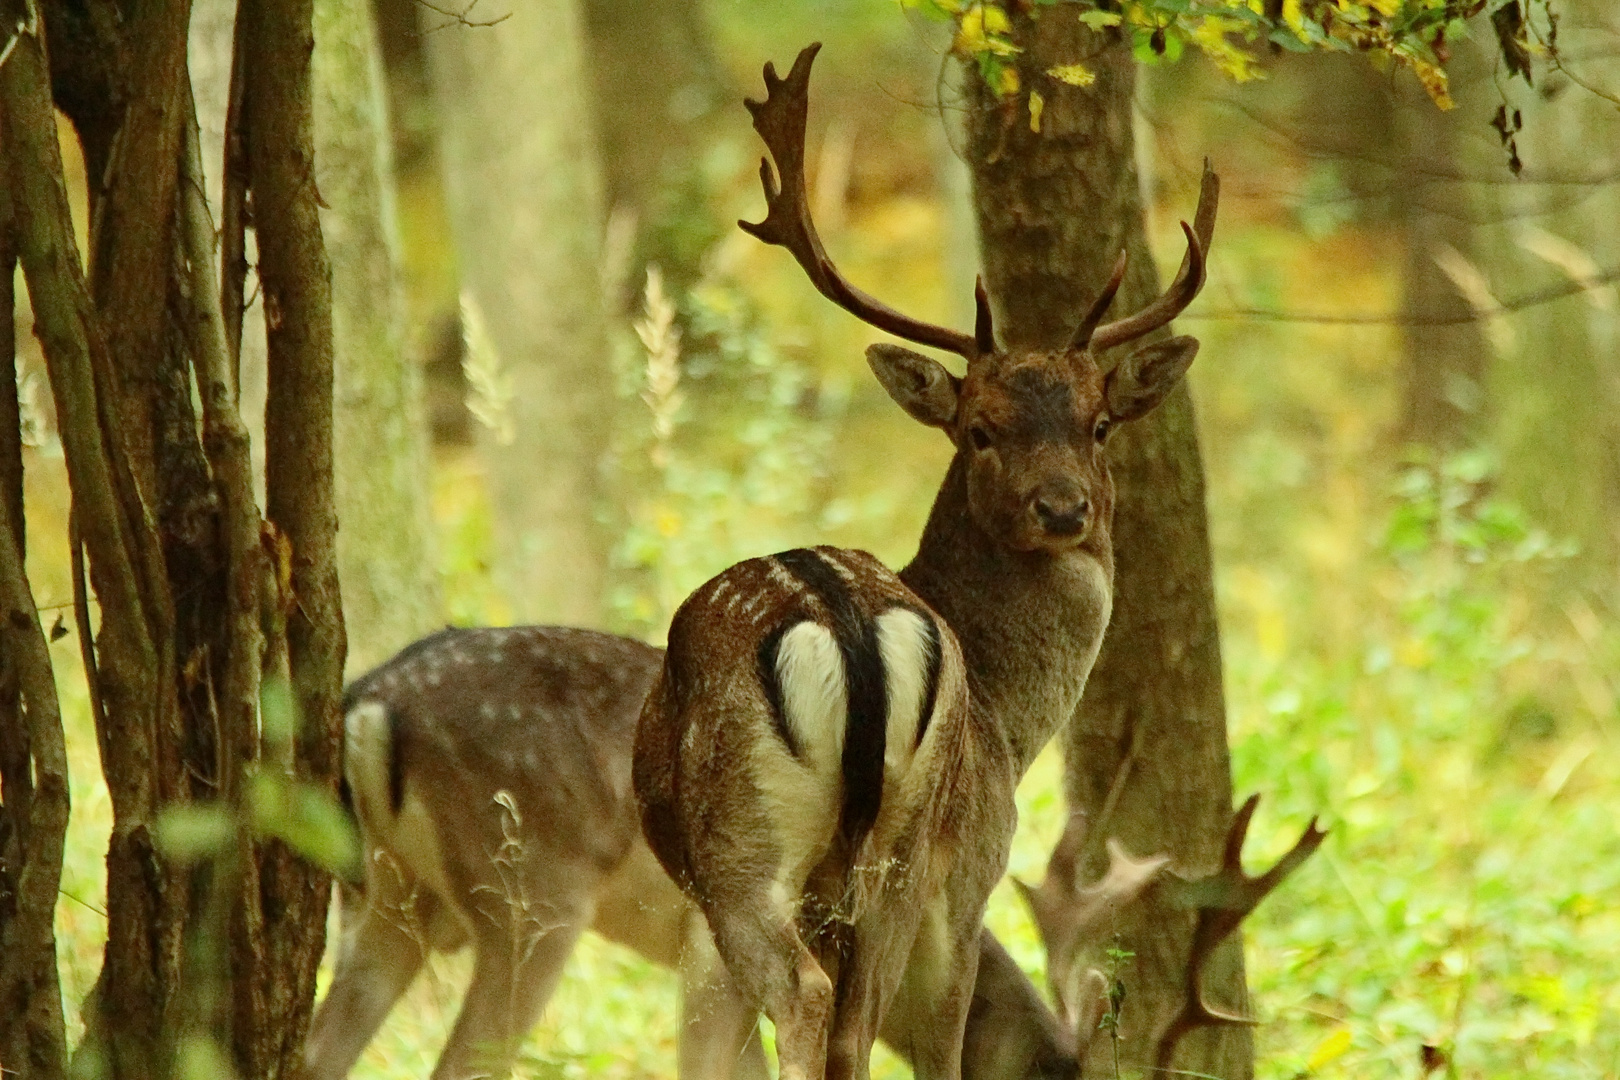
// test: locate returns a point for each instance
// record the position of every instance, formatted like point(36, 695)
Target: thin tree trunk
point(275, 974)
point(33, 822)
point(33, 761)
point(659, 87)
point(1444, 368)
point(385, 550)
point(1054, 209)
point(125, 1020)
point(526, 207)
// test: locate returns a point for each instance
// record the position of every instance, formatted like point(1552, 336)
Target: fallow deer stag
point(812, 776)
point(489, 772)
point(743, 800)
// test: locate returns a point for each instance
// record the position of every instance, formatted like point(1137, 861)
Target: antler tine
point(1099, 306)
point(1223, 899)
point(1189, 279)
point(780, 121)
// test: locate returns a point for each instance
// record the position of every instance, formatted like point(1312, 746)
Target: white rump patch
point(815, 694)
point(413, 836)
point(908, 653)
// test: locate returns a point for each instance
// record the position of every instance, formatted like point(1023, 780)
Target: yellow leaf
point(1036, 105)
point(1007, 80)
point(1433, 78)
point(1329, 1049)
point(1073, 74)
point(1292, 15)
point(970, 37)
point(995, 21)
point(1386, 8)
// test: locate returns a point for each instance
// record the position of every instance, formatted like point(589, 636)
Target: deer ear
point(1143, 379)
point(920, 384)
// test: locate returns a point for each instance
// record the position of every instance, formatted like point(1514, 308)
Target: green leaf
point(1099, 19)
point(192, 832)
point(308, 819)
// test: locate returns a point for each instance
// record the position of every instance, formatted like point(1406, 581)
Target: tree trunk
point(385, 550)
point(1054, 209)
point(659, 88)
point(525, 203)
point(33, 758)
point(274, 962)
point(1444, 368)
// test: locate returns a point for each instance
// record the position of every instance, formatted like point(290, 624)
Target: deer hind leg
point(719, 1030)
point(770, 964)
point(383, 948)
point(939, 978)
point(515, 971)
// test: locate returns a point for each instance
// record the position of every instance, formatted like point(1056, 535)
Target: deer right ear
point(920, 384)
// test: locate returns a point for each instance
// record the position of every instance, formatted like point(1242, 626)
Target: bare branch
point(461, 18)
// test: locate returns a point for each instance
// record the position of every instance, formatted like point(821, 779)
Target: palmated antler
point(1189, 280)
point(1070, 917)
point(1223, 899)
point(780, 121)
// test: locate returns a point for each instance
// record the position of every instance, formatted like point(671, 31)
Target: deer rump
point(794, 750)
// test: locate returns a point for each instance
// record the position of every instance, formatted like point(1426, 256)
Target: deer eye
point(980, 436)
point(1101, 432)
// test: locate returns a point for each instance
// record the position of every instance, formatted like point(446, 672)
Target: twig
point(460, 18)
point(1529, 300)
point(81, 619)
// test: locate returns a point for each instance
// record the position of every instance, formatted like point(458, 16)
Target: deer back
point(471, 738)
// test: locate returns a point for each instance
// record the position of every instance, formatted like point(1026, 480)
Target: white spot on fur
point(781, 578)
point(907, 652)
point(815, 695)
point(486, 710)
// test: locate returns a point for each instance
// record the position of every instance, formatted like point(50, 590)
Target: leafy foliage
point(1411, 33)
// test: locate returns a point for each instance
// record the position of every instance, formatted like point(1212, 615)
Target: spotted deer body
point(812, 775)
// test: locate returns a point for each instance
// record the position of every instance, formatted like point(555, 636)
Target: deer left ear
point(1145, 378)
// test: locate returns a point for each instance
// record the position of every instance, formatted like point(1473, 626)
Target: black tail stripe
point(935, 657)
point(866, 730)
point(771, 680)
point(396, 761)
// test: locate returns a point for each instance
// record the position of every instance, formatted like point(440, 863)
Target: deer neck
point(1030, 623)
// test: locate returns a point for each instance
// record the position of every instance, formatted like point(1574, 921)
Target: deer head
point(1028, 424)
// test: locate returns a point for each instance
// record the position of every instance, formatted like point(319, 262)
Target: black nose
point(1062, 518)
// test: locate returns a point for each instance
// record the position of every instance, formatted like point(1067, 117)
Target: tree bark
point(125, 1021)
point(526, 207)
point(278, 948)
point(1054, 209)
point(385, 550)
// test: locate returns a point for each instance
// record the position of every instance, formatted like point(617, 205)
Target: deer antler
point(1069, 916)
point(780, 121)
point(1189, 279)
point(1223, 899)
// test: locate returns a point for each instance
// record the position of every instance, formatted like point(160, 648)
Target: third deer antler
point(1222, 900)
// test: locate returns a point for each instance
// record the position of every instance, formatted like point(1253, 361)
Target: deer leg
point(770, 964)
point(382, 952)
point(719, 1031)
point(514, 974)
point(938, 982)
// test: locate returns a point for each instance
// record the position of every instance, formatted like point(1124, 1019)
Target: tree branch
point(1509, 307)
